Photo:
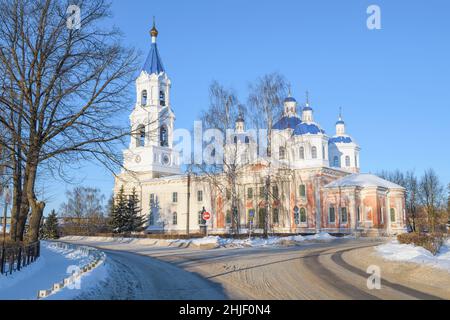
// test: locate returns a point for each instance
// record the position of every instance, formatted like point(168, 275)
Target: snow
point(253, 242)
point(363, 180)
point(51, 267)
point(394, 251)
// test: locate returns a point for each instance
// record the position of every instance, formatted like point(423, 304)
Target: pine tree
point(50, 227)
point(118, 214)
point(134, 220)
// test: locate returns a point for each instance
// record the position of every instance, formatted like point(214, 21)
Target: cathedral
point(315, 180)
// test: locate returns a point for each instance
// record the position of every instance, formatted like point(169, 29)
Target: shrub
point(431, 242)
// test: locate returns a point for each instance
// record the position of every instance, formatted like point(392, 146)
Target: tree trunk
point(37, 211)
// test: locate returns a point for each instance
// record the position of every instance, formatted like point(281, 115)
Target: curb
point(98, 259)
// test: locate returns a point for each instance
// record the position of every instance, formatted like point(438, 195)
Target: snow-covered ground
point(394, 251)
point(54, 264)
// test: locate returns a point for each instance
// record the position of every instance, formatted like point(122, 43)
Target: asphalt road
point(315, 271)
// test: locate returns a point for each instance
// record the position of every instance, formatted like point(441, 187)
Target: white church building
point(316, 186)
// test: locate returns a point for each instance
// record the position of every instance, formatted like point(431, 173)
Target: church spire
point(307, 112)
point(153, 64)
point(340, 124)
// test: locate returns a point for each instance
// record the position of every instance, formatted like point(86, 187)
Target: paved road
point(315, 271)
point(135, 277)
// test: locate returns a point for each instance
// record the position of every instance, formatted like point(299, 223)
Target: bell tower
point(152, 120)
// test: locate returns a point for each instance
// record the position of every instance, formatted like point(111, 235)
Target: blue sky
point(393, 83)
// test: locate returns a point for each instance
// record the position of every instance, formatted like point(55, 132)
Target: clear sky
point(393, 84)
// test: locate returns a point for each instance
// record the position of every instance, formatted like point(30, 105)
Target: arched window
point(393, 217)
point(163, 136)
point(174, 218)
point(302, 215)
point(140, 136)
point(302, 153)
point(275, 218)
point(314, 152)
point(228, 217)
point(347, 161)
point(162, 98)
point(282, 153)
point(336, 161)
point(144, 98)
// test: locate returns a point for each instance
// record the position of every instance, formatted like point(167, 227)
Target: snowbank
point(50, 268)
point(395, 251)
point(207, 242)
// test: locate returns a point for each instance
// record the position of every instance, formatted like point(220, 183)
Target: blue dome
point(307, 108)
point(290, 99)
point(340, 122)
point(305, 128)
point(341, 139)
point(287, 123)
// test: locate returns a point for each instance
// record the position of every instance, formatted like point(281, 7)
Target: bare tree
point(62, 91)
point(84, 209)
point(221, 115)
point(265, 103)
point(432, 197)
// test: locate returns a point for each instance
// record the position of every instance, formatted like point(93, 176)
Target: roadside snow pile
point(216, 241)
point(55, 263)
point(395, 251)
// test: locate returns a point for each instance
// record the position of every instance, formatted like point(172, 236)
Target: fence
point(14, 259)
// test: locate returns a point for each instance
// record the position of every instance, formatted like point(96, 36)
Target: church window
point(144, 98)
point(247, 140)
point(296, 215)
point(302, 190)
point(359, 213)
point(199, 195)
point(140, 136)
point(393, 218)
point(174, 218)
point(228, 217)
point(344, 215)
point(323, 152)
point(356, 161)
point(162, 98)
point(282, 153)
point(331, 215)
point(235, 139)
point(175, 197)
point(275, 218)
point(302, 153)
point(302, 215)
point(336, 161)
point(314, 152)
point(250, 193)
point(347, 161)
point(275, 192)
point(163, 136)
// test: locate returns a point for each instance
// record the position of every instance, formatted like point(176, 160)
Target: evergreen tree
point(134, 220)
point(50, 227)
point(118, 214)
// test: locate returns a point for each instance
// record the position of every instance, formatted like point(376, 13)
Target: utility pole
point(188, 203)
